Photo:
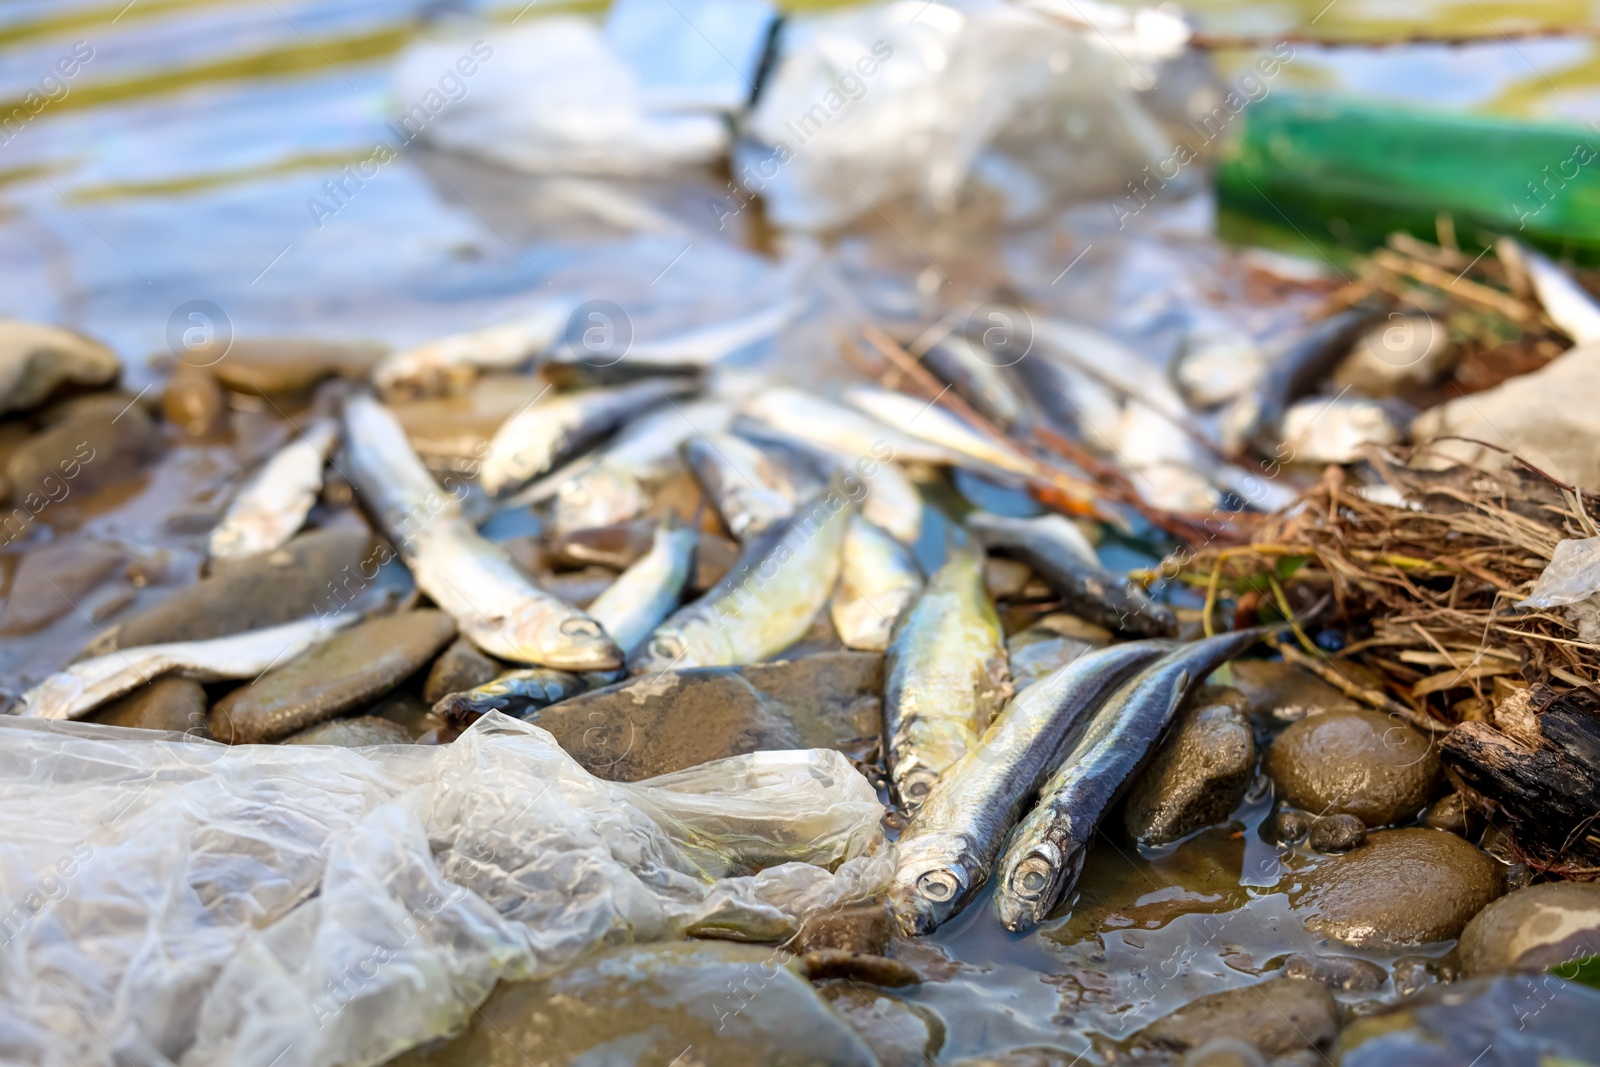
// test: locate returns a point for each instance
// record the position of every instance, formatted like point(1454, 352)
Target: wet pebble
point(1275, 1017)
point(1452, 813)
point(1336, 833)
point(1355, 762)
point(1198, 775)
point(281, 366)
point(193, 401)
point(36, 359)
point(51, 580)
point(1290, 827)
point(864, 928)
point(358, 731)
point(1403, 887)
point(714, 557)
point(101, 441)
point(1005, 578)
point(170, 703)
point(1342, 974)
point(1536, 928)
point(1224, 1052)
point(618, 546)
point(458, 428)
point(1281, 692)
point(824, 963)
point(460, 668)
point(350, 669)
point(1412, 974)
point(900, 1034)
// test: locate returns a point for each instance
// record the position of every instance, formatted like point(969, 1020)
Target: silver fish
point(840, 429)
point(645, 593)
point(933, 423)
point(766, 602)
point(538, 437)
point(977, 378)
point(1058, 553)
point(514, 693)
point(1569, 305)
point(450, 364)
point(747, 485)
point(945, 856)
point(77, 690)
point(878, 581)
point(495, 605)
point(1045, 854)
point(946, 678)
point(273, 502)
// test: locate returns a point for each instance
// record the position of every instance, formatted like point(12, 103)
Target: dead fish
point(1060, 555)
point(534, 440)
point(495, 605)
point(766, 603)
point(947, 853)
point(647, 592)
point(273, 502)
point(1336, 429)
point(946, 678)
point(79, 689)
point(450, 364)
point(702, 345)
point(1569, 305)
point(1045, 854)
point(840, 429)
point(747, 486)
point(1255, 420)
point(977, 379)
point(516, 693)
point(933, 423)
point(878, 581)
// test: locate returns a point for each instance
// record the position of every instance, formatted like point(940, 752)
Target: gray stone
point(1403, 887)
point(36, 359)
point(618, 546)
point(1355, 762)
point(863, 928)
point(731, 1005)
point(279, 366)
point(1342, 974)
point(1535, 928)
point(100, 441)
point(349, 670)
point(1281, 692)
point(460, 668)
point(1412, 974)
point(1198, 775)
point(1336, 833)
point(1274, 1017)
point(51, 580)
point(1290, 827)
point(358, 731)
point(169, 703)
point(900, 1034)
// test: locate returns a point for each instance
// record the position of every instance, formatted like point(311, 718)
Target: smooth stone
point(826, 963)
point(102, 441)
point(460, 668)
point(1004, 578)
point(1403, 887)
point(460, 427)
point(1342, 974)
point(1275, 1017)
point(193, 401)
point(714, 557)
point(1278, 691)
point(277, 366)
point(1412, 974)
point(168, 703)
point(350, 669)
point(1227, 1052)
point(1524, 1019)
point(732, 1005)
point(1453, 813)
point(36, 359)
point(270, 589)
point(1537, 927)
point(900, 1034)
point(1198, 775)
point(1290, 827)
point(358, 731)
point(51, 579)
point(831, 697)
point(1355, 762)
point(1402, 353)
point(617, 546)
point(1336, 833)
point(863, 928)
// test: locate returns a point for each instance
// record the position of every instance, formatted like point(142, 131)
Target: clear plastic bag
point(172, 902)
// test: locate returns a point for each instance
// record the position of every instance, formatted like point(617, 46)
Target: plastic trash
point(173, 902)
point(1572, 575)
point(692, 54)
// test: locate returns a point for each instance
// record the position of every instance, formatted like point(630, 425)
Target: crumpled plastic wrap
point(916, 100)
point(1570, 582)
point(170, 902)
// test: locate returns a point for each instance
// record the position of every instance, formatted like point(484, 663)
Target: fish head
point(1033, 888)
point(915, 786)
point(931, 883)
point(666, 648)
point(568, 640)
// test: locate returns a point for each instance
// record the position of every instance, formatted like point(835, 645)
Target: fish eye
point(580, 628)
point(667, 646)
point(938, 886)
point(1033, 877)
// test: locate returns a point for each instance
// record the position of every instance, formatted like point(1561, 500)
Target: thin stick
point(1212, 42)
point(1355, 691)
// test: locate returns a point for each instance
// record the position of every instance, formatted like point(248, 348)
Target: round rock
point(1535, 928)
point(1198, 775)
point(170, 703)
point(349, 670)
point(274, 366)
point(1276, 1017)
point(358, 731)
point(1337, 833)
point(462, 667)
point(36, 358)
point(1355, 762)
point(1403, 887)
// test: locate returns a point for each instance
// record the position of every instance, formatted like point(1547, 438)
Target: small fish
point(496, 607)
point(766, 602)
point(648, 591)
point(840, 429)
point(77, 690)
point(1045, 854)
point(946, 678)
point(1060, 555)
point(1569, 305)
point(1324, 429)
point(538, 437)
point(272, 504)
point(977, 378)
point(701, 346)
point(1255, 419)
point(933, 423)
point(450, 364)
point(945, 856)
point(747, 486)
point(878, 581)
point(515, 693)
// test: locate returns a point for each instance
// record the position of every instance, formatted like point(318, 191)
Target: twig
point(1355, 691)
point(1212, 42)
